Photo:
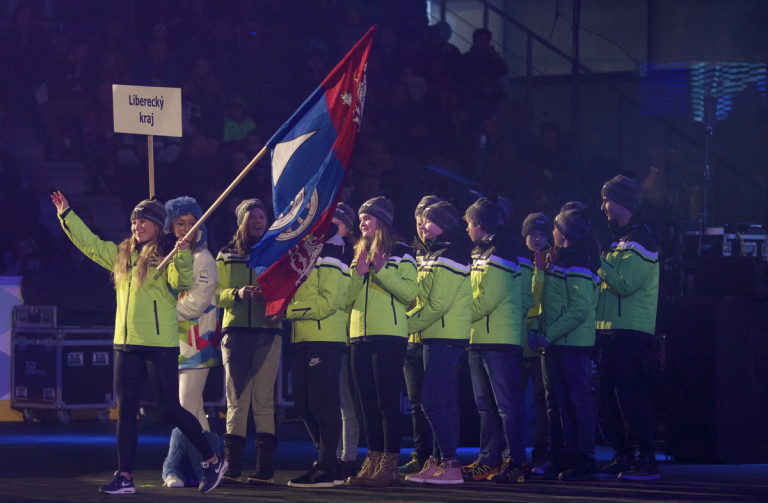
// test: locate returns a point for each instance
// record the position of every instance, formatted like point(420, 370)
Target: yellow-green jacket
point(146, 315)
point(379, 300)
point(533, 313)
point(240, 316)
point(317, 308)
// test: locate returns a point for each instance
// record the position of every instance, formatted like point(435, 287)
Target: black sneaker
point(348, 469)
point(643, 468)
point(621, 462)
point(315, 477)
point(338, 474)
point(120, 484)
point(584, 469)
point(212, 474)
point(511, 473)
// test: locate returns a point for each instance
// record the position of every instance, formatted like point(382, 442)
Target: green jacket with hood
point(240, 315)
point(443, 312)
point(496, 289)
point(317, 308)
point(379, 300)
point(569, 297)
point(146, 316)
point(630, 281)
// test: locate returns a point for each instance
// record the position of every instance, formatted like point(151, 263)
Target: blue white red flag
point(310, 156)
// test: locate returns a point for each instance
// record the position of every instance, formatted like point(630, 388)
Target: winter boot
point(644, 467)
point(386, 475)
point(264, 474)
point(367, 470)
point(233, 452)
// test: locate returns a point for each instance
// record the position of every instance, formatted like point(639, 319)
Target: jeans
point(440, 397)
point(569, 402)
point(131, 370)
point(377, 368)
point(251, 362)
point(350, 433)
point(531, 368)
point(495, 376)
point(413, 370)
point(623, 393)
point(317, 403)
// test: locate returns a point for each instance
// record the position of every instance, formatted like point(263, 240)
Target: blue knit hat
point(181, 206)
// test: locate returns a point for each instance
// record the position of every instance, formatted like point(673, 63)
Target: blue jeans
point(413, 370)
point(495, 384)
point(569, 402)
point(440, 397)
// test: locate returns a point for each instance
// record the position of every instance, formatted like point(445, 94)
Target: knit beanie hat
point(379, 207)
point(346, 215)
point(622, 189)
point(244, 208)
point(573, 205)
point(425, 201)
point(507, 211)
point(443, 214)
point(574, 223)
point(150, 209)
point(179, 207)
point(536, 222)
point(484, 214)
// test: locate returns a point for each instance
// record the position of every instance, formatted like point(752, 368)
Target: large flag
point(310, 156)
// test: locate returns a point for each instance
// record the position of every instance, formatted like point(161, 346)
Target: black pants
point(531, 368)
point(316, 373)
point(377, 368)
point(131, 370)
point(413, 370)
point(624, 388)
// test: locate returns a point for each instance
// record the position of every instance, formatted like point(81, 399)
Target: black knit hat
point(573, 205)
point(346, 215)
point(484, 214)
point(443, 214)
point(379, 207)
point(536, 222)
point(425, 201)
point(622, 189)
point(506, 210)
point(574, 223)
point(152, 210)
point(244, 208)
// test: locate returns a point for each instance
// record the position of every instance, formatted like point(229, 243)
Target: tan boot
point(386, 475)
point(369, 467)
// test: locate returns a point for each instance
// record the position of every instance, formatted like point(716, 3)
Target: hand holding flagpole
point(215, 205)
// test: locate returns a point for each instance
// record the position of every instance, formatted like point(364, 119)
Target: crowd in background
point(243, 68)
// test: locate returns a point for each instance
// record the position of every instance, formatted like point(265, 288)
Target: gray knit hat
point(573, 205)
point(425, 201)
point(244, 208)
point(379, 207)
point(484, 214)
point(536, 222)
point(152, 210)
point(443, 214)
point(346, 215)
point(622, 190)
point(574, 223)
point(506, 210)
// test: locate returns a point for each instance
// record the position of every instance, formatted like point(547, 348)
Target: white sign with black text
point(147, 110)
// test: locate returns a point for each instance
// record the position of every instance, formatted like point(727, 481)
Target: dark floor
point(44, 461)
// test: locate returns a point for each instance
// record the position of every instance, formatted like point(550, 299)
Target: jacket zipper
point(157, 323)
point(250, 280)
point(619, 305)
point(127, 303)
point(393, 307)
point(365, 314)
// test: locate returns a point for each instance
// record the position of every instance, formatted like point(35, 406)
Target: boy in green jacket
point(567, 338)
point(626, 322)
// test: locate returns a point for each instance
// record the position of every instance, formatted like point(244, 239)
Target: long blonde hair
point(382, 242)
point(149, 252)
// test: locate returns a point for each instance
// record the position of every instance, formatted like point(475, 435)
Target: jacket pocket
point(394, 313)
point(488, 324)
point(318, 325)
point(157, 322)
point(443, 318)
point(619, 306)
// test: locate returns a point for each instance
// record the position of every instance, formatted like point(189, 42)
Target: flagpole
point(215, 205)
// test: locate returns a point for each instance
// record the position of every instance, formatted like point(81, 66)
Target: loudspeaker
point(717, 378)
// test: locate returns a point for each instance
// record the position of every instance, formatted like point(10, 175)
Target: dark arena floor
point(44, 461)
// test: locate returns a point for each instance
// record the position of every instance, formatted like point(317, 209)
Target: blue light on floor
point(76, 439)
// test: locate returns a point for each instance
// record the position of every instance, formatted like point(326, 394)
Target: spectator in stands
point(237, 124)
point(203, 99)
point(482, 64)
point(158, 68)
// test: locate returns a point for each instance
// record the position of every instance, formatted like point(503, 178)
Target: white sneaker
point(172, 481)
point(429, 468)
